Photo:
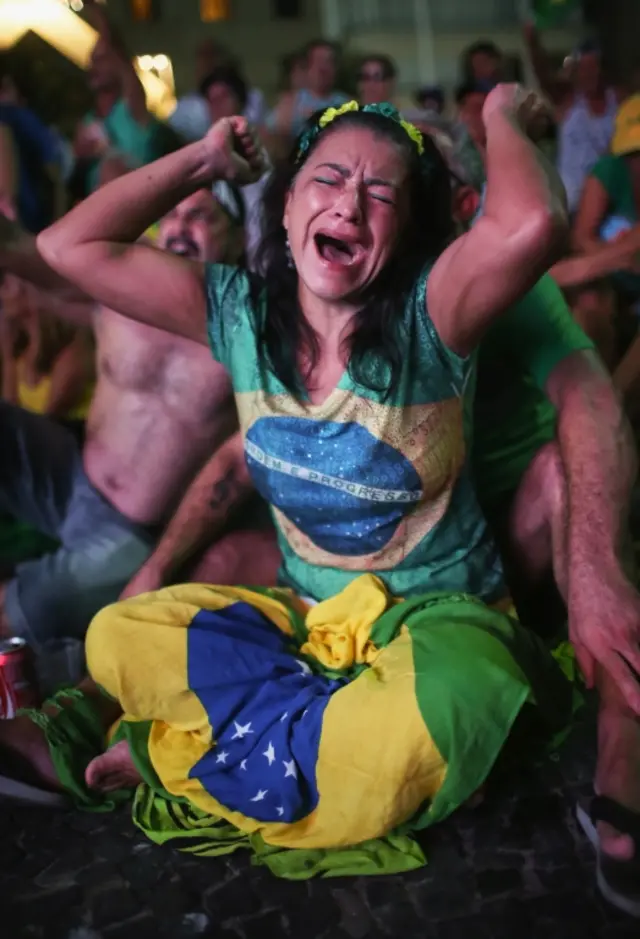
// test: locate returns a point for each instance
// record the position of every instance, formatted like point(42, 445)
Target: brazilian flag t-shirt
point(362, 483)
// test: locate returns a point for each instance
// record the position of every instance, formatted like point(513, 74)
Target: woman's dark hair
point(231, 77)
point(314, 44)
point(376, 336)
point(467, 89)
point(385, 62)
point(482, 47)
point(430, 93)
point(288, 64)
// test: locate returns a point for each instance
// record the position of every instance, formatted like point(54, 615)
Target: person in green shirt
point(553, 456)
point(120, 121)
point(609, 208)
point(611, 191)
point(514, 417)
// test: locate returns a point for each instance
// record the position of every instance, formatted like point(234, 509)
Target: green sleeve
point(608, 172)
point(229, 308)
point(540, 331)
point(137, 140)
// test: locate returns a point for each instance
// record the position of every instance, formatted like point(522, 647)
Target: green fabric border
point(75, 736)
point(475, 670)
point(189, 829)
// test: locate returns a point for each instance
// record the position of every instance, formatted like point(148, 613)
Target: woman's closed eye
point(382, 197)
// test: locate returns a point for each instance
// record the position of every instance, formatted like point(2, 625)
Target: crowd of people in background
point(124, 453)
point(589, 131)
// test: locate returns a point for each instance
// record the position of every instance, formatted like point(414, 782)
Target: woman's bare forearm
point(521, 182)
point(123, 210)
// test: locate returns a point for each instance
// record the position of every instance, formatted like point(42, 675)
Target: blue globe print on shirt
point(337, 483)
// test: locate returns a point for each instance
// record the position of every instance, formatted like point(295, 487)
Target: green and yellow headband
point(384, 110)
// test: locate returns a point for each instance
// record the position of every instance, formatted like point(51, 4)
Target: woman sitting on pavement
point(378, 685)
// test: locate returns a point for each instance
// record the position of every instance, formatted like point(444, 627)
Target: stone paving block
point(356, 917)
point(236, 897)
point(629, 931)
point(517, 867)
point(312, 920)
point(144, 926)
point(402, 919)
point(497, 882)
point(269, 925)
point(43, 908)
point(172, 899)
point(449, 896)
point(112, 903)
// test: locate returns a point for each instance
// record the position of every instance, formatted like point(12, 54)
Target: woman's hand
point(234, 152)
point(525, 105)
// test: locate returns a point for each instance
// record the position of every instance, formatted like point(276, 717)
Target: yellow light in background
point(158, 67)
point(212, 10)
point(76, 5)
point(142, 9)
point(72, 37)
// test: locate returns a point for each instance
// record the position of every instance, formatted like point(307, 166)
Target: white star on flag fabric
point(290, 768)
point(270, 754)
point(222, 757)
point(280, 811)
point(284, 717)
point(243, 765)
point(304, 668)
point(241, 730)
point(260, 796)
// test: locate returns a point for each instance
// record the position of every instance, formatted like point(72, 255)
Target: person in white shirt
point(191, 118)
point(226, 94)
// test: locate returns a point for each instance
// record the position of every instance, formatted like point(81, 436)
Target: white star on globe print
point(260, 796)
point(243, 765)
point(222, 757)
point(241, 730)
point(304, 668)
point(270, 754)
point(280, 811)
point(290, 768)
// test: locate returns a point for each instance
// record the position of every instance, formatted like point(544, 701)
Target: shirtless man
point(162, 407)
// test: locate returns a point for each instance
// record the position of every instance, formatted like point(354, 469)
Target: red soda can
point(18, 688)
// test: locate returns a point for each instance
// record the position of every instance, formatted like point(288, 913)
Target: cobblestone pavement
point(516, 868)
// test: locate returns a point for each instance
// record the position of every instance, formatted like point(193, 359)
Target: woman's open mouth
point(336, 250)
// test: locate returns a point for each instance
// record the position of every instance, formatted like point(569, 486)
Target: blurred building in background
point(425, 37)
point(428, 37)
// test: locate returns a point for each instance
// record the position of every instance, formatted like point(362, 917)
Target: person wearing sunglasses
point(377, 80)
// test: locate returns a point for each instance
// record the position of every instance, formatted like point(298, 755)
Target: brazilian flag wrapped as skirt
point(319, 736)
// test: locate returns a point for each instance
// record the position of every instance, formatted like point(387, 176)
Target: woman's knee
point(108, 640)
